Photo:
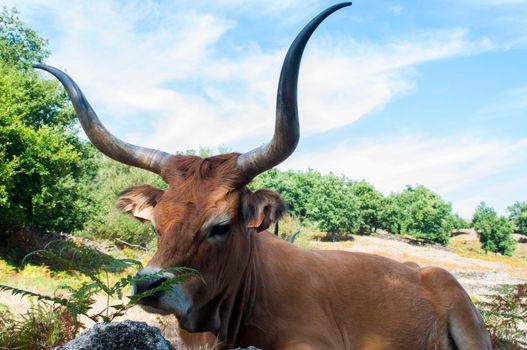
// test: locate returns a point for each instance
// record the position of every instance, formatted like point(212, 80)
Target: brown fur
point(263, 291)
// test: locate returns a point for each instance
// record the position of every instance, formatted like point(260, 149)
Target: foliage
point(370, 203)
point(44, 167)
point(505, 313)
point(42, 326)
point(458, 222)
point(55, 319)
point(495, 233)
point(296, 188)
point(311, 196)
point(108, 222)
point(518, 216)
point(340, 205)
point(19, 45)
point(100, 273)
point(419, 212)
point(333, 206)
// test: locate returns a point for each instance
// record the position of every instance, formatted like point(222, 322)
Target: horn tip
point(343, 4)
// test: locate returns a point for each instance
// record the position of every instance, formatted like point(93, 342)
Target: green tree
point(419, 212)
point(296, 188)
point(332, 205)
point(518, 216)
point(108, 222)
point(324, 199)
point(20, 46)
point(458, 222)
point(369, 202)
point(495, 233)
point(44, 167)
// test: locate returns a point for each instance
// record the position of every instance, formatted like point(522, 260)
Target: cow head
point(206, 217)
point(204, 220)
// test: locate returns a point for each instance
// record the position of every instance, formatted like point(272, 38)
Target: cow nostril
point(157, 283)
point(148, 284)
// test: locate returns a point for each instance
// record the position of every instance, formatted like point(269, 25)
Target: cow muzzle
point(172, 301)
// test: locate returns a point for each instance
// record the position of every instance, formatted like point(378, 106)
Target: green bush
point(325, 199)
point(43, 326)
point(108, 222)
point(44, 167)
point(332, 205)
point(459, 223)
point(505, 315)
point(370, 202)
point(419, 212)
point(56, 318)
point(518, 217)
point(296, 188)
point(495, 233)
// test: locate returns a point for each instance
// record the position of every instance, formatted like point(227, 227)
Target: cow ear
point(139, 201)
point(262, 208)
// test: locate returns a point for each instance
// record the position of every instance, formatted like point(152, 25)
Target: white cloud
point(497, 2)
point(341, 81)
point(124, 56)
point(396, 9)
point(447, 165)
point(511, 100)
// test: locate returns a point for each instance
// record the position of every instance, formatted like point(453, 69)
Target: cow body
point(298, 299)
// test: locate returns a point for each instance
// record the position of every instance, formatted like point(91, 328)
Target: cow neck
point(238, 308)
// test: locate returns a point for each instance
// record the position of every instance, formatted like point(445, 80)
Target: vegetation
point(505, 313)
point(518, 217)
point(107, 221)
point(44, 167)
point(55, 319)
point(370, 205)
point(42, 326)
point(342, 206)
point(419, 212)
point(495, 233)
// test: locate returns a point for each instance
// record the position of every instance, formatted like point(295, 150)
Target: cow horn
point(287, 133)
point(141, 157)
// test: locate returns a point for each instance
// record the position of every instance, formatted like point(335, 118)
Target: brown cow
point(260, 290)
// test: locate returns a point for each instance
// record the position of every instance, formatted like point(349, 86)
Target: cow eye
point(219, 230)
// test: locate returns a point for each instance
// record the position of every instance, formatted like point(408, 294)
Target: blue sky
point(397, 93)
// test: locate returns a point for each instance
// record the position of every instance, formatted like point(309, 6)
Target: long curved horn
point(287, 131)
point(141, 157)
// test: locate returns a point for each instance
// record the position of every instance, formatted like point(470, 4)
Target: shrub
point(369, 202)
point(44, 167)
point(495, 233)
point(324, 199)
point(518, 216)
point(458, 222)
point(505, 313)
point(332, 205)
point(108, 222)
point(419, 212)
point(42, 326)
point(99, 273)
